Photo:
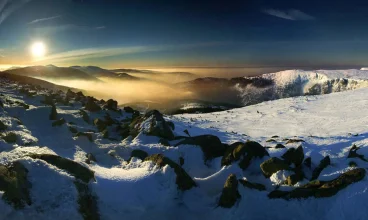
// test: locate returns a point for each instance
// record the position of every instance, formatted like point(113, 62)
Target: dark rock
point(320, 189)
point(59, 122)
point(279, 146)
point(244, 151)
point(100, 124)
point(70, 94)
point(73, 129)
point(183, 180)
point(15, 185)
point(352, 164)
point(85, 134)
point(273, 165)
point(138, 154)
point(85, 115)
point(105, 134)
point(296, 177)
point(211, 145)
point(2, 126)
point(10, 137)
point(91, 105)
point(90, 158)
point(230, 193)
point(128, 109)
point(295, 156)
point(49, 100)
point(308, 162)
point(322, 165)
point(181, 161)
point(111, 105)
point(186, 132)
point(53, 113)
point(291, 141)
point(251, 185)
point(353, 153)
point(77, 170)
point(87, 202)
point(271, 140)
point(171, 124)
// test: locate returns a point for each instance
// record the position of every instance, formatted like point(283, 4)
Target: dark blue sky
point(323, 34)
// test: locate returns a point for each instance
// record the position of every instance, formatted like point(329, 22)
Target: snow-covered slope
point(125, 187)
point(290, 83)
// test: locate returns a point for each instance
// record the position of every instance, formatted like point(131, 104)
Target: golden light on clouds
point(38, 49)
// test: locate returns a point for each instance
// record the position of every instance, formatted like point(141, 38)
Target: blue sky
point(166, 33)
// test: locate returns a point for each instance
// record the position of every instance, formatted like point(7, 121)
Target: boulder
point(155, 125)
point(15, 185)
point(3, 126)
point(77, 170)
point(210, 145)
point(90, 158)
point(85, 115)
point(85, 134)
point(138, 154)
point(230, 193)
point(53, 113)
point(322, 165)
point(87, 202)
point(279, 146)
point(105, 134)
point(295, 156)
point(128, 109)
point(244, 151)
point(273, 165)
point(100, 124)
point(321, 189)
point(59, 122)
point(91, 105)
point(183, 180)
point(10, 137)
point(111, 105)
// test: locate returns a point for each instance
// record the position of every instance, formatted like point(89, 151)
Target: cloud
point(65, 27)
point(7, 7)
point(291, 14)
point(44, 19)
point(90, 53)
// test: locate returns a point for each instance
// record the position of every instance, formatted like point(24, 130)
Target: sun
point(38, 49)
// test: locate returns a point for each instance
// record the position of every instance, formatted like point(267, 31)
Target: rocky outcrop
point(273, 165)
point(183, 180)
point(230, 193)
point(295, 156)
point(322, 165)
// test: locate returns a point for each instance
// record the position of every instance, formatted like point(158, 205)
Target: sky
point(185, 33)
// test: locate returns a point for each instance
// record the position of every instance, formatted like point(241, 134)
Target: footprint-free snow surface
point(125, 187)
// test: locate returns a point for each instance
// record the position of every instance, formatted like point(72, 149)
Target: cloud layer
point(44, 19)
point(291, 14)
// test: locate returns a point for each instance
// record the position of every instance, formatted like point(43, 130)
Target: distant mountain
point(53, 72)
point(271, 86)
point(100, 72)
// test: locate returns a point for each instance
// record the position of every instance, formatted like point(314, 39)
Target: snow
point(329, 125)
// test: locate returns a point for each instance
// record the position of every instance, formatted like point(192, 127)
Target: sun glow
point(38, 49)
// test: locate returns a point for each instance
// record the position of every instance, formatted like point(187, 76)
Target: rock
point(85, 134)
point(108, 120)
point(70, 94)
point(244, 151)
point(91, 105)
point(15, 185)
point(157, 125)
point(291, 141)
point(251, 185)
point(128, 109)
point(353, 153)
point(73, 129)
point(123, 130)
point(186, 132)
point(271, 140)
point(111, 105)
point(210, 145)
point(171, 124)
point(49, 100)
point(296, 177)
point(352, 164)
point(105, 134)
point(1, 104)
point(85, 115)
point(100, 124)
point(10, 137)
point(3, 126)
point(59, 122)
point(308, 162)
point(138, 154)
point(87, 202)
point(230, 193)
point(273, 165)
point(295, 156)
point(279, 146)
point(181, 161)
point(322, 165)
point(77, 170)
point(53, 113)
point(183, 180)
point(321, 189)
point(90, 158)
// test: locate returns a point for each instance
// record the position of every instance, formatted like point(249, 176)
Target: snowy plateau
point(64, 155)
